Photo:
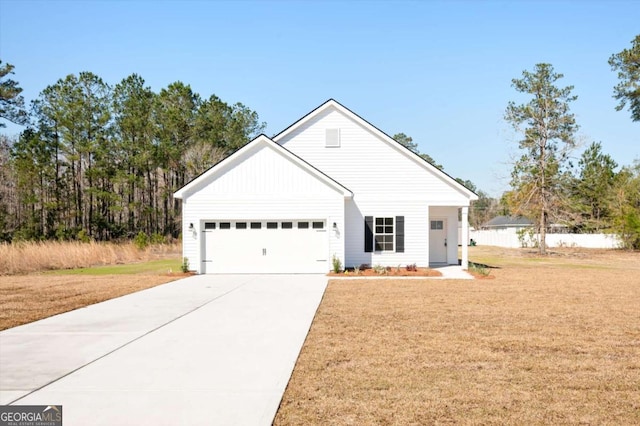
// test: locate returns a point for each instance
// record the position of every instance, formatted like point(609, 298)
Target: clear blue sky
point(438, 71)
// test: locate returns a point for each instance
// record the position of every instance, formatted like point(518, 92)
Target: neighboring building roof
point(332, 103)
point(508, 222)
point(239, 156)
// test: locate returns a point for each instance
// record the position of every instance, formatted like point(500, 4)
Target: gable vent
point(332, 138)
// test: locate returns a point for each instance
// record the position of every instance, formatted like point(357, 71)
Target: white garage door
point(267, 246)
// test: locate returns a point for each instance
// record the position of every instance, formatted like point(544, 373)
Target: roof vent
point(332, 138)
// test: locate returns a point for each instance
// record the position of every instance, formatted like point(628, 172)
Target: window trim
point(385, 225)
point(439, 225)
point(332, 138)
point(369, 234)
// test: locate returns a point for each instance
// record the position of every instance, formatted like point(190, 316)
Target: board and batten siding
point(265, 185)
point(385, 181)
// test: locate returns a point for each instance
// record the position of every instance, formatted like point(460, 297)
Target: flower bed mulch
point(389, 272)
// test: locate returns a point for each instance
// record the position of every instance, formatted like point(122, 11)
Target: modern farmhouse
point(329, 186)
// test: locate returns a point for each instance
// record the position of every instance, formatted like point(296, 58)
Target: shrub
point(337, 264)
point(412, 267)
point(379, 269)
point(527, 237)
point(185, 265)
point(157, 238)
point(141, 240)
point(478, 269)
point(83, 236)
point(356, 270)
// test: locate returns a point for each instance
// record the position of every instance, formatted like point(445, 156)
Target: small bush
point(63, 234)
point(356, 270)
point(83, 236)
point(527, 237)
point(185, 265)
point(380, 270)
point(478, 269)
point(141, 240)
point(412, 267)
point(337, 264)
point(157, 238)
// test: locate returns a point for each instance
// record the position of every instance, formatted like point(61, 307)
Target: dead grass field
point(27, 298)
point(549, 340)
point(27, 295)
point(27, 257)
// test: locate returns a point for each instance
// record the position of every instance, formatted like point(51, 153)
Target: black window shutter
point(368, 234)
point(399, 234)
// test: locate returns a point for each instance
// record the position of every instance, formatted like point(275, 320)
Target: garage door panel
point(272, 249)
point(235, 251)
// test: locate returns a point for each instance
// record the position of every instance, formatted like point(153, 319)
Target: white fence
point(509, 238)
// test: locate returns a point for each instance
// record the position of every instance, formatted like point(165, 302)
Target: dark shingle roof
point(507, 222)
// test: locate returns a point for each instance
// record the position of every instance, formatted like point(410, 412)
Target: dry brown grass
point(28, 257)
point(550, 340)
point(28, 298)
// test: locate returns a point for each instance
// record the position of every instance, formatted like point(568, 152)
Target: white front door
point(266, 246)
point(438, 241)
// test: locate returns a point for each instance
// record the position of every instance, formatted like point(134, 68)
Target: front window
point(383, 234)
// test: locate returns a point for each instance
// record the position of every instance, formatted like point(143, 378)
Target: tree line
point(102, 162)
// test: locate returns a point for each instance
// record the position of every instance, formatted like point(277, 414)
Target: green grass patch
point(479, 268)
point(154, 266)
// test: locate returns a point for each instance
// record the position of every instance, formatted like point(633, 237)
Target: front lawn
point(27, 298)
point(549, 340)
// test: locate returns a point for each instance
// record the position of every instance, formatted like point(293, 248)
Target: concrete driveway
point(204, 350)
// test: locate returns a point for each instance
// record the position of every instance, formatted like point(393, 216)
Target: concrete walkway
point(453, 272)
point(199, 351)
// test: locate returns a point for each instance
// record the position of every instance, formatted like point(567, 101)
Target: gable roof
point(237, 156)
point(332, 103)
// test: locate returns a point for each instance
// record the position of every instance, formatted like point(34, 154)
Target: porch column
point(465, 238)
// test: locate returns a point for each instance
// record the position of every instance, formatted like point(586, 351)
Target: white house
point(330, 185)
